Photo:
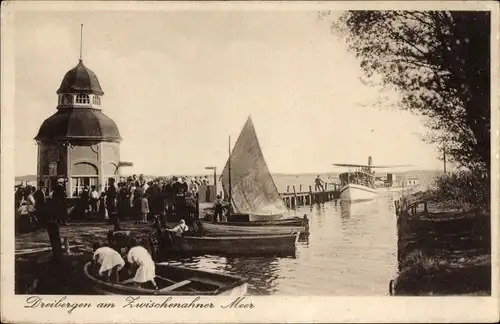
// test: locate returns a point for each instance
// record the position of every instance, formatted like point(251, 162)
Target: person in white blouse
point(139, 258)
point(179, 229)
point(109, 260)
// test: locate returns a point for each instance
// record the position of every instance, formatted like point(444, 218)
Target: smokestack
point(370, 162)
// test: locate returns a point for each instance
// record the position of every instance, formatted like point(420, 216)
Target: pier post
point(294, 194)
point(311, 197)
point(300, 188)
point(287, 189)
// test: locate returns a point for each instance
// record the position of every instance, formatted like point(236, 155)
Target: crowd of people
point(134, 198)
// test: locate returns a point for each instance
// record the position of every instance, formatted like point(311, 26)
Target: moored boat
point(172, 280)
point(225, 229)
point(357, 192)
point(359, 185)
point(234, 245)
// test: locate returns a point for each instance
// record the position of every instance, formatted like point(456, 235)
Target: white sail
point(253, 189)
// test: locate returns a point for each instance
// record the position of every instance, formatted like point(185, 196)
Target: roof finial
point(81, 40)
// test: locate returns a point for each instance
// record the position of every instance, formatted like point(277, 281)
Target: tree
point(440, 63)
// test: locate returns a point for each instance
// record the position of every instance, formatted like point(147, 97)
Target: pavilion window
point(78, 183)
point(66, 99)
point(96, 100)
point(82, 99)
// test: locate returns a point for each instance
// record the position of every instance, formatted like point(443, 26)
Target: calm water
point(351, 251)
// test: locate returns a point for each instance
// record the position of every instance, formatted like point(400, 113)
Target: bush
point(465, 188)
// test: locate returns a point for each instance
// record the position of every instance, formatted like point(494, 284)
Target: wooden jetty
point(294, 197)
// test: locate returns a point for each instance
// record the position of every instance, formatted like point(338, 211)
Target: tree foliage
point(440, 63)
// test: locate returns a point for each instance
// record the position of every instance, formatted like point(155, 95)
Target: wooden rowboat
point(172, 280)
point(225, 229)
point(241, 245)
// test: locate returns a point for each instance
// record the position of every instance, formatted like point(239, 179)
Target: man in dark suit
point(40, 202)
point(111, 195)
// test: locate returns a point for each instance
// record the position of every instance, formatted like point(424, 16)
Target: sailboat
point(247, 182)
point(359, 185)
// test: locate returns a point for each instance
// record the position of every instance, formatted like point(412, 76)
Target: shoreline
point(442, 251)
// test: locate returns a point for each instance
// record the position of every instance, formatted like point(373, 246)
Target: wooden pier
point(296, 197)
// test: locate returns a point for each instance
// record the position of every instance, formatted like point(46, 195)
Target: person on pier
point(140, 259)
point(109, 262)
point(319, 184)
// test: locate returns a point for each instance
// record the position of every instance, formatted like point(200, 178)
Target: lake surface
point(351, 250)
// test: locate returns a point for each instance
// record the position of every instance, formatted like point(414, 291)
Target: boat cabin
point(357, 177)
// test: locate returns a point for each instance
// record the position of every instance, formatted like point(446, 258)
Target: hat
point(60, 180)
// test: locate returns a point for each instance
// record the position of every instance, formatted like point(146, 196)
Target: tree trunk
point(55, 241)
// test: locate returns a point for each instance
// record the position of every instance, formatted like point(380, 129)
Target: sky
point(177, 84)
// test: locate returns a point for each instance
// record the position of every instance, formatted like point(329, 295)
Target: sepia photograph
point(247, 153)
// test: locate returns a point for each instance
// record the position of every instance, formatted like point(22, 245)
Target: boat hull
point(224, 229)
point(201, 283)
point(354, 192)
point(296, 221)
point(242, 245)
point(255, 218)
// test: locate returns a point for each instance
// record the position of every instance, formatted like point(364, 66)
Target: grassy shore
point(445, 250)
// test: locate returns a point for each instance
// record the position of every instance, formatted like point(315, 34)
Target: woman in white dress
point(140, 259)
point(109, 260)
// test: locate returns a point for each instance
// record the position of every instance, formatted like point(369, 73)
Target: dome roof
point(79, 123)
point(80, 80)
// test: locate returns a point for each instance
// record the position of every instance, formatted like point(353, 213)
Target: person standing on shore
point(40, 202)
point(193, 187)
point(111, 196)
point(56, 215)
point(94, 199)
point(58, 202)
point(137, 201)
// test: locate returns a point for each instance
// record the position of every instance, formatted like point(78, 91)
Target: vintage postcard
point(213, 162)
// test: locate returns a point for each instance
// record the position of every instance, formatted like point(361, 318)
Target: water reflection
point(351, 250)
point(263, 273)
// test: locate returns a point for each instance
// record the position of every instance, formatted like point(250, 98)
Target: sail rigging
point(247, 180)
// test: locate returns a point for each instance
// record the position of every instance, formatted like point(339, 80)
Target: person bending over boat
point(139, 258)
point(109, 260)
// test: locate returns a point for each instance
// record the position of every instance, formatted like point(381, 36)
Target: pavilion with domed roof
point(78, 142)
